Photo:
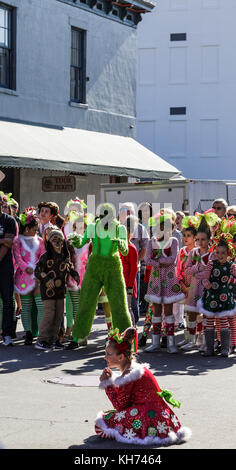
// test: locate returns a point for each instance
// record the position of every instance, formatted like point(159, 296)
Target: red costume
point(141, 416)
point(130, 267)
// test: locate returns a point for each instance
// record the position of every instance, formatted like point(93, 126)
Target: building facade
point(186, 86)
point(67, 63)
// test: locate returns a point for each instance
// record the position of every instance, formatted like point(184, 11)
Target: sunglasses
point(217, 208)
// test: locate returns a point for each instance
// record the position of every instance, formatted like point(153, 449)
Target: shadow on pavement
point(95, 442)
point(87, 359)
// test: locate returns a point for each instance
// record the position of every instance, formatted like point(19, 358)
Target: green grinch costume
point(104, 269)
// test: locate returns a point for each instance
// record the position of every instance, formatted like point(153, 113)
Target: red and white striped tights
point(225, 322)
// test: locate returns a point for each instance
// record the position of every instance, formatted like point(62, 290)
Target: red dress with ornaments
point(140, 416)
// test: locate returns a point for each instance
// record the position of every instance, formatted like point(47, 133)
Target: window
point(78, 66)
point(178, 37)
point(176, 111)
point(7, 46)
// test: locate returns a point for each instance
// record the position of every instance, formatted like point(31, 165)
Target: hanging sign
point(58, 184)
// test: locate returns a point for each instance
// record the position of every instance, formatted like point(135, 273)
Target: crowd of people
point(176, 269)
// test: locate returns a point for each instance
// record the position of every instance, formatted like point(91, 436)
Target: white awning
point(76, 150)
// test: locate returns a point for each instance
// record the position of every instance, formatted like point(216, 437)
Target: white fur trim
point(196, 252)
point(109, 382)
point(73, 288)
point(169, 319)
point(33, 251)
point(32, 266)
point(153, 298)
point(116, 380)
point(24, 291)
point(190, 308)
point(166, 244)
point(156, 319)
point(173, 298)
point(165, 300)
point(182, 435)
point(208, 313)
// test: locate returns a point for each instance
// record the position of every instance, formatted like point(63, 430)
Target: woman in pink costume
point(27, 249)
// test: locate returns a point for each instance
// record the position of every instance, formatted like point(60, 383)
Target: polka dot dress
point(163, 287)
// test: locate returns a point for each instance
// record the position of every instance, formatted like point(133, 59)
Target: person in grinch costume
point(104, 269)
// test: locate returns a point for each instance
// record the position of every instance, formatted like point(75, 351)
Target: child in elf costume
point(104, 269)
point(218, 299)
point(163, 287)
point(194, 270)
point(225, 225)
point(74, 206)
point(141, 413)
point(79, 258)
point(189, 234)
point(27, 249)
point(53, 270)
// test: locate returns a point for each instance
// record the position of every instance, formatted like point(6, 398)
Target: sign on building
point(58, 184)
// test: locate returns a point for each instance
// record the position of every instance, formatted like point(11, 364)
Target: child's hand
point(232, 269)
point(115, 241)
point(201, 268)
point(106, 374)
point(207, 285)
point(50, 284)
point(186, 292)
point(184, 289)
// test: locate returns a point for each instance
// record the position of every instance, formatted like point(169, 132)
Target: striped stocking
point(69, 310)
point(218, 328)
point(232, 323)
point(39, 306)
point(210, 323)
point(74, 295)
point(224, 324)
point(26, 303)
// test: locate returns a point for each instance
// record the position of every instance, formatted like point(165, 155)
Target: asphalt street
point(50, 399)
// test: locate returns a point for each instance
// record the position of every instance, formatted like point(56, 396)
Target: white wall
point(43, 51)
point(199, 74)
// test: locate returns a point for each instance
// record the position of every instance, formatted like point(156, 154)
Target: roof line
point(31, 123)
point(43, 164)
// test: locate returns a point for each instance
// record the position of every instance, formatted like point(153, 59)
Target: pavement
point(50, 399)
